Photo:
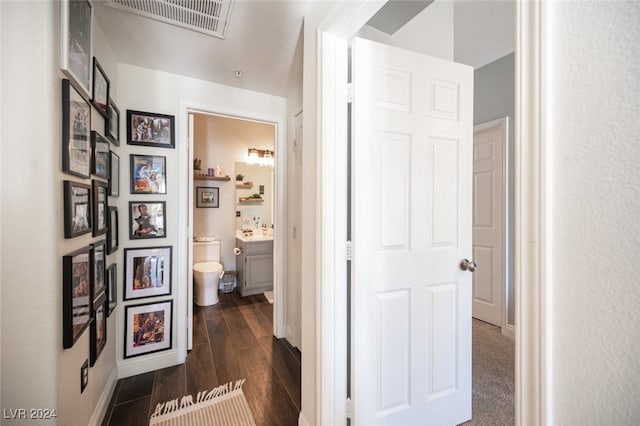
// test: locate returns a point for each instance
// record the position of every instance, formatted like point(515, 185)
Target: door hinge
point(349, 93)
point(348, 407)
point(349, 253)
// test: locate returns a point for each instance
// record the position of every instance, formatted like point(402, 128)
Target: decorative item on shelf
point(197, 164)
point(240, 178)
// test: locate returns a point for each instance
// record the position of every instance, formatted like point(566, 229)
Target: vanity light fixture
point(260, 156)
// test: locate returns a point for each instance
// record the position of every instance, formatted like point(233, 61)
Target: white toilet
point(207, 272)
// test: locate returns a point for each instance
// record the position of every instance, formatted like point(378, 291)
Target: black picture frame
point(114, 175)
point(76, 295)
point(98, 269)
point(112, 124)
point(76, 132)
point(84, 375)
point(112, 230)
point(98, 329)
point(100, 89)
point(148, 174)
point(76, 48)
point(207, 197)
point(147, 272)
point(77, 209)
point(100, 155)
point(147, 219)
point(112, 287)
point(150, 129)
point(100, 207)
point(147, 328)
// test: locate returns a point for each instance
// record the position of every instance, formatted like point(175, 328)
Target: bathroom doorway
point(224, 151)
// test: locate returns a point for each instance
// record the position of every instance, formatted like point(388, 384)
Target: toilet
point(207, 271)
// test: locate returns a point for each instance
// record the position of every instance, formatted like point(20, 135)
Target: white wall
point(592, 102)
point(36, 371)
point(430, 32)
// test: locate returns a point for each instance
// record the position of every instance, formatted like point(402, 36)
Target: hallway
point(232, 340)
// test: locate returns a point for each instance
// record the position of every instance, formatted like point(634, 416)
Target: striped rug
point(225, 405)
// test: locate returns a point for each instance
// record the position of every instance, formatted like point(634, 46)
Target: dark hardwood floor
point(231, 340)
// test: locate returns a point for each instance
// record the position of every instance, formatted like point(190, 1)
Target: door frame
point(532, 228)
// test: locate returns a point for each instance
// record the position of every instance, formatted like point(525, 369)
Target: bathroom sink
point(255, 237)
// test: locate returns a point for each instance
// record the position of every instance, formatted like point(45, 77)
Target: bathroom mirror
point(254, 196)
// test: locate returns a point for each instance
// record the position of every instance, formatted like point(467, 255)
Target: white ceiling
point(264, 37)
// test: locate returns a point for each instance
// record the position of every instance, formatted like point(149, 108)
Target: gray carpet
point(493, 377)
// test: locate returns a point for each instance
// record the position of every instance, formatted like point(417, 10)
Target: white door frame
point(185, 219)
point(533, 394)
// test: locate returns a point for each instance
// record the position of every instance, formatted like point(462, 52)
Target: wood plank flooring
point(231, 340)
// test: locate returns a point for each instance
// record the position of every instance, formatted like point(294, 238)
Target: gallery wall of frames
point(91, 288)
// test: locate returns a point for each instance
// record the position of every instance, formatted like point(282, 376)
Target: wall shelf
point(246, 185)
point(250, 200)
point(207, 177)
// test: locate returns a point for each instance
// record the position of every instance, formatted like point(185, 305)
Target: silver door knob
point(468, 265)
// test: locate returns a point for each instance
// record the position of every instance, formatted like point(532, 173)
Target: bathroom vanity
point(254, 264)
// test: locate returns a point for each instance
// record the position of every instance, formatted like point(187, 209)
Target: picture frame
point(76, 132)
point(76, 48)
point(100, 155)
point(98, 270)
point(98, 329)
point(84, 375)
point(76, 295)
point(100, 89)
point(112, 124)
point(147, 219)
point(207, 196)
point(147, 328)
point(148, 174)
point(100, 207)
point(150, 129)
point(112, 287)
point(112, 230)
point(147, 272)
point(77, 209)
point(114, 174)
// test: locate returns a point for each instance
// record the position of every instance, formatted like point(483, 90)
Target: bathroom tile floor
point(231, 340)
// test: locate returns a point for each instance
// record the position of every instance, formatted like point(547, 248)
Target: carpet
point(225, 405)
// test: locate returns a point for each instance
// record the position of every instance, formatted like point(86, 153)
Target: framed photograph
point(99, 207)
point(207, 197)
point(99, 155)
point(147, 328)
point(112, 125)
point(112, 231)
point(148, 174)
point(112, 287)
point(98, 268)
point(147, 272)
point(76, 297)
point(98, 329)
point(150, 129)
point(77, 209)
point(101, 85)
point(76, 132)
point(114, 175)
point(76, 18)
point(84, 376)
point(147, 219)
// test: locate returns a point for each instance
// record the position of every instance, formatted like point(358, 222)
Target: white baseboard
point(302, 421)
point(144, 364)
point(105, 398)
point(509, 331)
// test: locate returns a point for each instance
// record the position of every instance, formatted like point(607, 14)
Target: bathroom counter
point(255, 237)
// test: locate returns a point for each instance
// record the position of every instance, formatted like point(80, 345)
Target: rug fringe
point(170, 406)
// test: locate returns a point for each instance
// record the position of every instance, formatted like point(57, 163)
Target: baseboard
point(302, 421)
point(144, 364)
point(105, 398)
point(509, 331)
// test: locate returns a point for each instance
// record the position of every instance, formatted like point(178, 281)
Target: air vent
point(210, 17)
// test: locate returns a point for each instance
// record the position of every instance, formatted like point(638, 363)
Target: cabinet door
point(259, 272)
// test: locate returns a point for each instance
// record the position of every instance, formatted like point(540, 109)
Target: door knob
point(468, 265)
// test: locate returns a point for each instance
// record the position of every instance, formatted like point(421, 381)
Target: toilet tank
point(206, 251)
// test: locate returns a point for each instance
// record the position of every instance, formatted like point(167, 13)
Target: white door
point(189, 238)
point(489, 196)
point(411, 218)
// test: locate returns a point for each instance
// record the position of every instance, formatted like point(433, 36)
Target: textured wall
point(593, 65)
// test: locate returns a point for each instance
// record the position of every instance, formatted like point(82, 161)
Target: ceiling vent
point(210, 17)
